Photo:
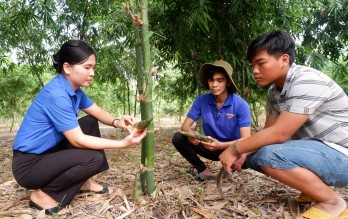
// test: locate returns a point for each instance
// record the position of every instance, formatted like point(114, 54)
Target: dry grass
point(250, 195)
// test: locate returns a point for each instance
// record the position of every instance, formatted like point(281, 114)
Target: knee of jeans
point(255, 160)
point(265, 153)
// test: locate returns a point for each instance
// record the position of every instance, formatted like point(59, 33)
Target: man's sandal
point(303, 198)
point(202, 177)
point(315, 213)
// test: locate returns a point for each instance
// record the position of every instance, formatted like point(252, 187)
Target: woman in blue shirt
point(225, 117)
point(55, 153)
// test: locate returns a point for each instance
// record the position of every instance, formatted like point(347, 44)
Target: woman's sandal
point(49, 211)
point(103, 191)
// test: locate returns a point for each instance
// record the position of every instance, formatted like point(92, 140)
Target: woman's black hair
point(275, 43)
point(72, 52)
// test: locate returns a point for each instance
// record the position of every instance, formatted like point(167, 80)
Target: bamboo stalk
point(146, 106)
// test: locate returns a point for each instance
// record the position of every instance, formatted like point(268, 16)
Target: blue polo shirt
point(54, 110)
point(222, 124)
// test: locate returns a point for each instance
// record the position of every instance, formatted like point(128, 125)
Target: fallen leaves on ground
point(249, 194)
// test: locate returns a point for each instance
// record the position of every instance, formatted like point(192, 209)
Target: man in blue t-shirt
point(225, 118)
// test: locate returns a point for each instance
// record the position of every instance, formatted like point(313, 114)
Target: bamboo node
point(142, 98)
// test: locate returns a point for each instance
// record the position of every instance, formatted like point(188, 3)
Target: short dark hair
point(275, 43)
point(72, 52)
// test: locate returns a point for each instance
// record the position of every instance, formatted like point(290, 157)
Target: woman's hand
point(125, 121)
point(132, 139)
point(213, 145)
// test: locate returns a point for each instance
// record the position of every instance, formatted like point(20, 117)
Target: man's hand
point(194, 141)
point(237, 166)
point(214, 145)
point(227, 158)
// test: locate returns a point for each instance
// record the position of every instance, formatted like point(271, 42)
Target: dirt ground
point(178, 195)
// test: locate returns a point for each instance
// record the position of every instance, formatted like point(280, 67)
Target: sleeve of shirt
point(195, 111)
point(61, 112)
point(243, 114)
point(86, 102)
point(305, 95)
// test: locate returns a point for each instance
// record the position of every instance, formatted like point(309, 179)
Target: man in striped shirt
point(305, 140)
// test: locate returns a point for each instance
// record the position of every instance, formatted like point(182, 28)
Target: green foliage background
point(184, 35)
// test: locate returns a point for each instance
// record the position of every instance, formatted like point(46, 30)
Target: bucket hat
point(219, 66)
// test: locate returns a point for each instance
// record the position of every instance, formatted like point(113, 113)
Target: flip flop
point(315, 213)
point(49, 211)
point(303, 198)
point(344, 214)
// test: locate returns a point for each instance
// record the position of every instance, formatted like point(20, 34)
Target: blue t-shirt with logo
point(54, 110)
point(222, 124)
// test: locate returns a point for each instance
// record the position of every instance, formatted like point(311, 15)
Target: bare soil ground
point(178, 195)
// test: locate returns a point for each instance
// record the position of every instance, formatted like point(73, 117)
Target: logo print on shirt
point(229, 116)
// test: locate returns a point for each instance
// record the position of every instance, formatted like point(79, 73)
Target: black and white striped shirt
point(311, 92)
